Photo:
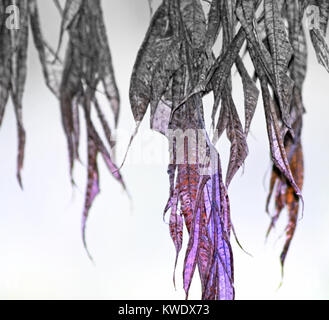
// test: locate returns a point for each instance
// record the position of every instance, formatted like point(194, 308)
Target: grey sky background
point(41, 250)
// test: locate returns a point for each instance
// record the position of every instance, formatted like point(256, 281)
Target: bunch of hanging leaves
point(87, 65)
point(74, 81)
point(14, 36)
point(176, 67)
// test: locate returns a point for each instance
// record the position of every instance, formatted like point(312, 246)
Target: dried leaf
point(237, 137)
point(155, 47)
point(321, 48)
point(214, 24)
point(281, 52)
point(51, 66)
point(251, 94)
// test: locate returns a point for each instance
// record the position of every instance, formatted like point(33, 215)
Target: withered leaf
point(251, 94)
point(237, 137)
point(159, 38)
point(281, 52)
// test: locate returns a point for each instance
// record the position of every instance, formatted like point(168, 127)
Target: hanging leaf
point(285, 195)
point(51, 66)
point(318, 30)
point(237, 137)
point(213, 25)
point(69, 13)
point(297, 39)
point(281, 52)
point(321, 48)
point(251, 94)
point(195, 22)
point(160, 36)
point(19, 45)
